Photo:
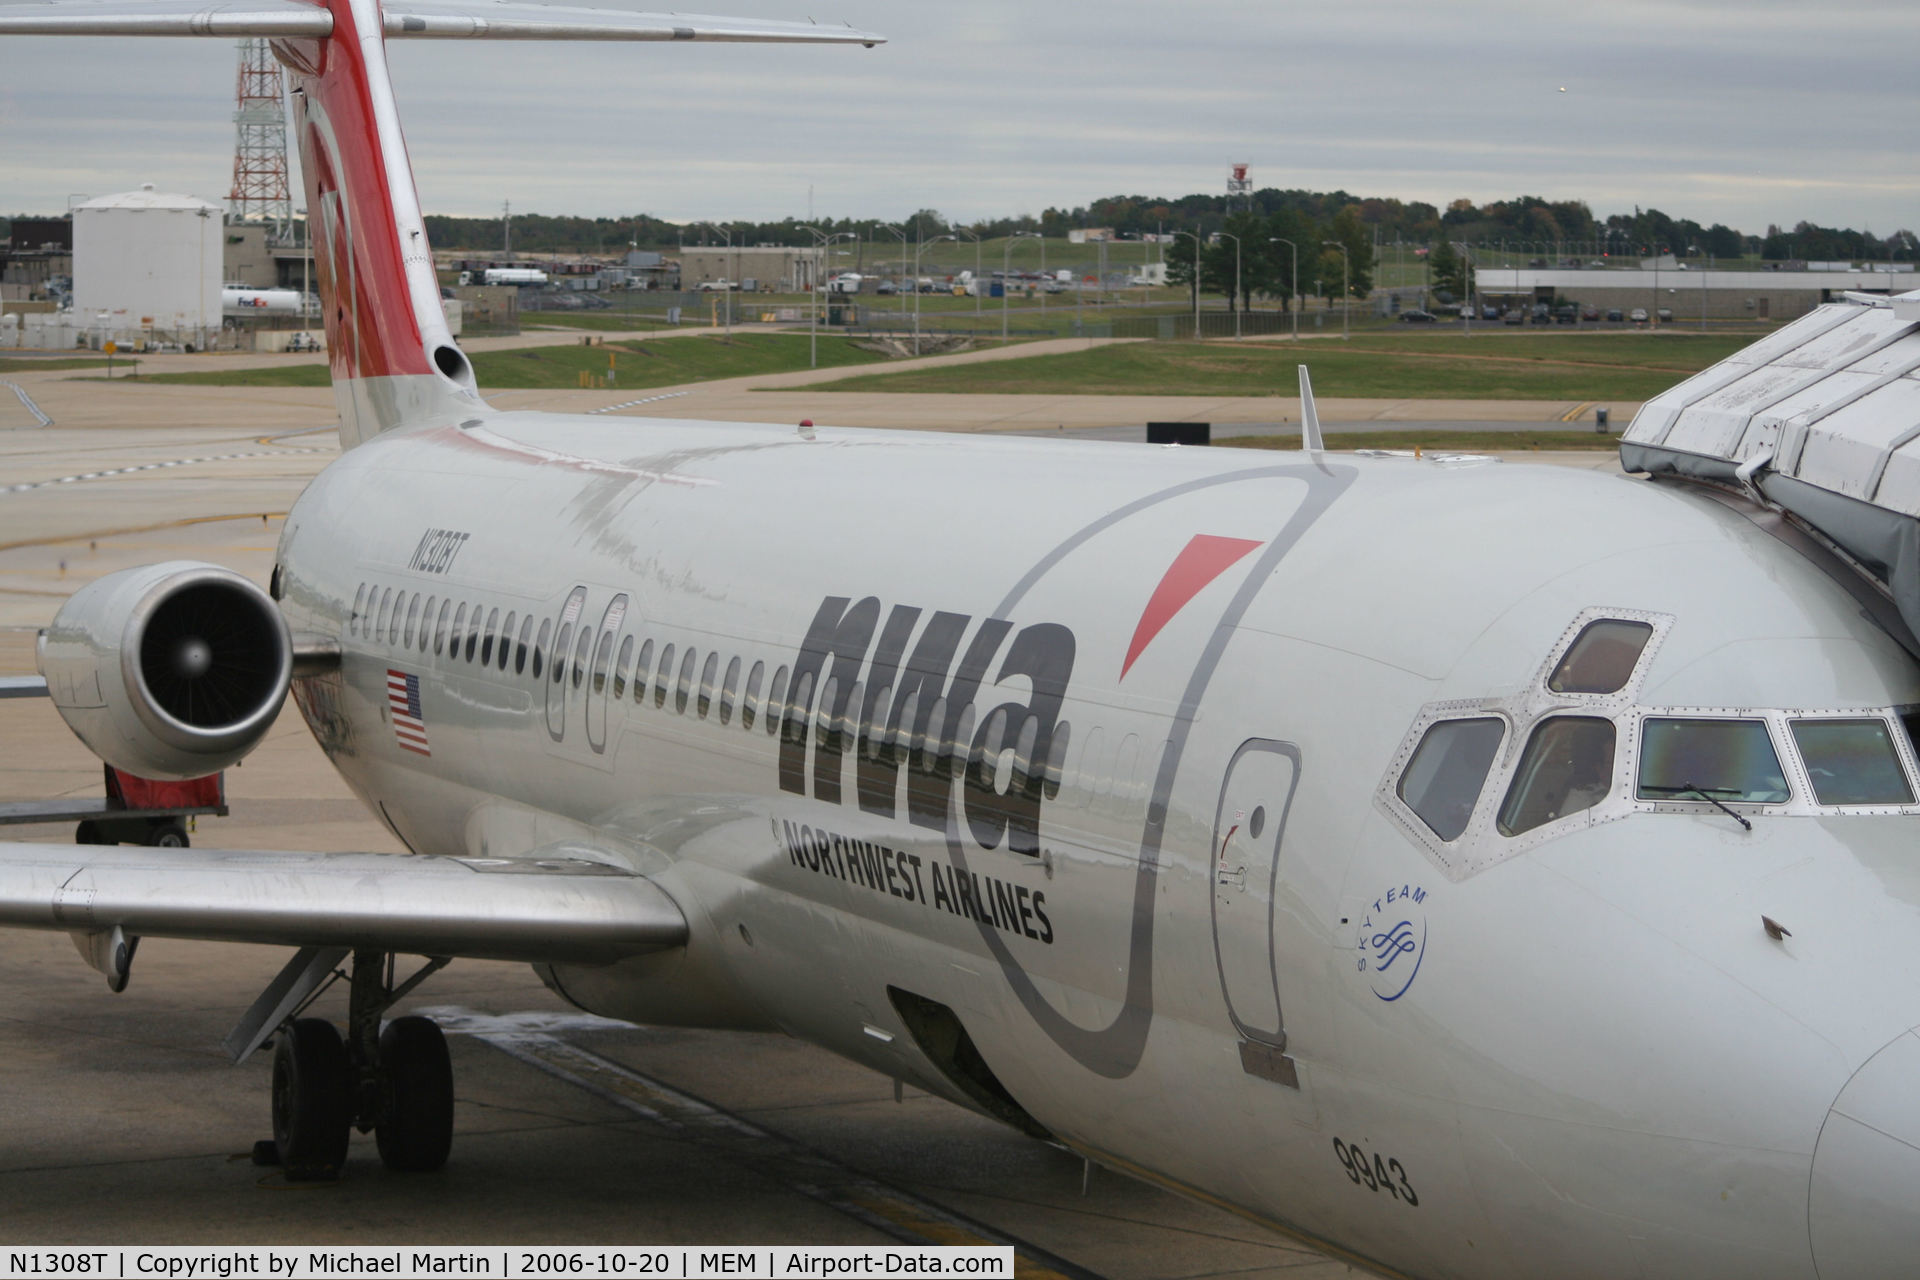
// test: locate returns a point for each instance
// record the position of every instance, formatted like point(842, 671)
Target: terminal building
point(1690, 293)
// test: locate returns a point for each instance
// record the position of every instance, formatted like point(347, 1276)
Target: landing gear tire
point(312, 1101)
point(416, 1131)
point(90, 832)
point(170, 833)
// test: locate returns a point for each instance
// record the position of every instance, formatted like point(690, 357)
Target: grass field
point(1486, 367)
point(31, 365)
point(636, 364)
point(1439, 441)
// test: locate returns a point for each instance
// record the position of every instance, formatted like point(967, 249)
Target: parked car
point(1614, 315)
point(1639, 315)
point(1665, 314)
point(1566, 315)
point(1589, 312)
point(717, 286)
point(1516, 315)
point(1416, 316)
point(1489, 312)
point(886, 289)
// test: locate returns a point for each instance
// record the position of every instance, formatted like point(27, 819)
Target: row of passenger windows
point(1108, 772)
point(1567, 766)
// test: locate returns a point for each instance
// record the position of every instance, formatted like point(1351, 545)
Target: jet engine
point(170, 670)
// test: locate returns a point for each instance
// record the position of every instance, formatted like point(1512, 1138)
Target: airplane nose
point(1864, 1210)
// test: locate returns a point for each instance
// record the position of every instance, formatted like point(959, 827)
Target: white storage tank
point(148, 262)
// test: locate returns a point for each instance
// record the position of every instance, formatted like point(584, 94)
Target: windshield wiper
point(1702, 793)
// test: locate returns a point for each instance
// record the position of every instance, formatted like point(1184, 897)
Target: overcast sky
point(1745, 113)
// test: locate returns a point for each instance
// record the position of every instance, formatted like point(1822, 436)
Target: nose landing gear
point(396, 1082)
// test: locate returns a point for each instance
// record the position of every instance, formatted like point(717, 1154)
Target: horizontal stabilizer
point(410, 19)
point(557, 909)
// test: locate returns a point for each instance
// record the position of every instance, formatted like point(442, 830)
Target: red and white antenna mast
point(260, 191)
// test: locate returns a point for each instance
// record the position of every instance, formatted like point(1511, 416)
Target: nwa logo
point(900, 698)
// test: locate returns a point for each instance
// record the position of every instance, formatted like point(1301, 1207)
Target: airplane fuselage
point(1099, 756)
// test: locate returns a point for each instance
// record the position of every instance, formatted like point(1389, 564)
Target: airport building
point(779, 268)
point(1690, 294)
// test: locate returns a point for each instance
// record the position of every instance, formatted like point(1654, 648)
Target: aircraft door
point(1249, 825)
point(602, 660)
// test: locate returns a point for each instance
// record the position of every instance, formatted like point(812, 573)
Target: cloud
point(1746, 113)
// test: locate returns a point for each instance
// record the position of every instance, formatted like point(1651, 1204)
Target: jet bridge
point(1821, 419)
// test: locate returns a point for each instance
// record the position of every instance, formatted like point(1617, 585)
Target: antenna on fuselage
point(1309, 416)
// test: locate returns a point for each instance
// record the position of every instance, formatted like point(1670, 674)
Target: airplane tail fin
point(393, 360)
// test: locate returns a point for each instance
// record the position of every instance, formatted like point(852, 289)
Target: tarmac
point(122, 1123)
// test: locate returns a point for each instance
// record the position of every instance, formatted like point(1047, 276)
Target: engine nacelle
point(170, 670)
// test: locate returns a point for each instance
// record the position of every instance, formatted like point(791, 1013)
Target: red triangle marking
point(1202, 560)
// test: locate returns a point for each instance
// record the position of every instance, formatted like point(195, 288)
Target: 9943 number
point(1378, 1173)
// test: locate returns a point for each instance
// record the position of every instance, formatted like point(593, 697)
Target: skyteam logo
point(1392, 940)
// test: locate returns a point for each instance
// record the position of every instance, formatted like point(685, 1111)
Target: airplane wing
point(558, 909)
point(412, 19)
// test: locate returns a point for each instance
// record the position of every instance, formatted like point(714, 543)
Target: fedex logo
point(902, 698)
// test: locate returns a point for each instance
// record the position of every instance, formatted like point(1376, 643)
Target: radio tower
point(260, 144)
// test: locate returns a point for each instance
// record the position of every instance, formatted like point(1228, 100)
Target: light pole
point(1293, 297)
point(821, 241)
point(901, 232)
point(916, 288)
point(1236, 281)
point(1346, 330)
point(975, 237)
point(1196, 281)
point(730, 282)
point(1006, 278)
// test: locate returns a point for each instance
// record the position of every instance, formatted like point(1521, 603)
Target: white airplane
point(1475, 870)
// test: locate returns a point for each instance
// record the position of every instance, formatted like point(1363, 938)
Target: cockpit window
point(1566, 768)
point(1443, 779)
point(1725, 760)
point(1852, 761)
point(1601, 659)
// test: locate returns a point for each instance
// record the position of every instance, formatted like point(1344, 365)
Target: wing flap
point(545, 910)
point(506, 20)
point(277, 18)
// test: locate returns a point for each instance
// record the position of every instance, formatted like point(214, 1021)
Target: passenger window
point(602, 657)
point(620, 668)
point(1057, 758)
point(440, 627)
point(473, 631)
point(685, 686)
point(486, 642)
point(354, 625)
point(1602, 658)
point(426, 624)
point(413, 616)
point(660, 677)
point(707, 674)
point(540, 646)
point(380, 621)
point(558, 668)
point(520, 648)
point(1442, 781)
point(750, 702)
point(776, 698)
point(1852, 761)
point(580, 648)
point(459, 630)
point(506, 640)
point(1566, 768)
point(1727, 760)
point(727, 687)
point(642, 668)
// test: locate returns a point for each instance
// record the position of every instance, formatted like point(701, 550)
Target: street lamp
point(1293, 297)
point(1236, 280)
point(1196, 281)
point(821, 241)
point(731, 282)
point(1346, 330)
point(1006, 278)
point(916, 288)
point(901, 232)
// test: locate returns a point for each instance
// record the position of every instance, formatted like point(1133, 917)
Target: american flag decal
point(403, 700)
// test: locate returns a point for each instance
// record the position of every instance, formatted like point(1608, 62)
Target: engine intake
point(168, 671)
